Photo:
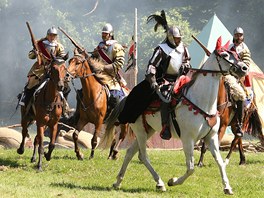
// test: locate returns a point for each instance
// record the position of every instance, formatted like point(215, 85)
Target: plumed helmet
point(108, 28)
point(238, 30)
point(52, 30)
point(173, 32)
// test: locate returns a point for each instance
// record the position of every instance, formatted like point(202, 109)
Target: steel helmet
point(108, 28)
point(173, 32)
point(238, 30)
point(52, 30)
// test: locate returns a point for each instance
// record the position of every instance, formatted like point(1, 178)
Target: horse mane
point(97, 67)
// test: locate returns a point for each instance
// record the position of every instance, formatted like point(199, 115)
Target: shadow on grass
point(99, 188)
point(250, 161)
point(64, 157)
point(8, 162)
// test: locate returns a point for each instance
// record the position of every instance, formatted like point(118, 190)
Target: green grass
point(65, 176)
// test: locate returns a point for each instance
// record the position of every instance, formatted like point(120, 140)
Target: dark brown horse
point(92, 106)
point(228, 117)
point(46, 110)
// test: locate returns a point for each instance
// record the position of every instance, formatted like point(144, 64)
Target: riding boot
point(26, 96)
point(240, 112)
point(165, 115)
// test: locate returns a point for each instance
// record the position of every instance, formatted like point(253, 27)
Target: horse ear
point(226, 45)
point(218, 43)
point(75, 51)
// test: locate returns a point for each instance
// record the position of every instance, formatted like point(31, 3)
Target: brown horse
point(92, 106)
point(228, 117)
point(46, 110)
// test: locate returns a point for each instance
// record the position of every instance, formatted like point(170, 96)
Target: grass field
point(65, 176)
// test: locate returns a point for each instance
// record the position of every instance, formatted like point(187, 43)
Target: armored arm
point(152, 68)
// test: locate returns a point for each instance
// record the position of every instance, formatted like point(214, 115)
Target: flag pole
point(135, 49)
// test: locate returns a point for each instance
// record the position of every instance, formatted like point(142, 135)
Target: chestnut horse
point(251, 124)
point(46, 110)
point(92, 107)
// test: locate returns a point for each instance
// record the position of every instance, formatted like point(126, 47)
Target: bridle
point(218, 57)
point(81, 59)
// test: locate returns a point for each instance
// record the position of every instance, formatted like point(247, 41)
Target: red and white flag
point(131, 63)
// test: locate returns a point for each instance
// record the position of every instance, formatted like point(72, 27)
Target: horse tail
point(254, 127)
point(110, 123)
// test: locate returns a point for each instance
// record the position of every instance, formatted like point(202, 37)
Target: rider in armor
point(112, 54)
point(169, 60)
point(47, 46)
point(243, 88)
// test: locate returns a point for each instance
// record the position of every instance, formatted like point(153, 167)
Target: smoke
point(15, 40)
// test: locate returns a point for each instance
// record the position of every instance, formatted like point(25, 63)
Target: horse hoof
point(39, 169)
point(228, 191)
point(171, 182)
point(200, 165)
point(161, 188)
point(20, 151)
point(47, 156)
point(242, 163)
point(80, 156)
point(116, 186)
point(33, 160)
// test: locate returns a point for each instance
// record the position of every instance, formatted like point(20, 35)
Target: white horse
point(203, 96)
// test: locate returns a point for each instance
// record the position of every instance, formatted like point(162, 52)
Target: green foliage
point(65, 176)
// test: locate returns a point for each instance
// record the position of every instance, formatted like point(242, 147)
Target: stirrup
point(165, 132)
point(239, 134)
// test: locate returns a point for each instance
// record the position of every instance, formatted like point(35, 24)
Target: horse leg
point(214, 148)
point(122, 135)
point(53, 136)
point(36, 143)
point(143, 157)
point(241, 152)
point(203, 150)
point(94, 142)
point(232, 147)
point(24, 125)
point(75, 135)
point(41, 147)
point(131, 151)
point(112, 149)
point(188, 148)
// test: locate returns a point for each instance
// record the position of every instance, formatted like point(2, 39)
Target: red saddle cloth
point(180, 82)
point(155, 104)
point(153, 107)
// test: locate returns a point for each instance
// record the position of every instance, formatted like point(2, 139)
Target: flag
point(131, 55)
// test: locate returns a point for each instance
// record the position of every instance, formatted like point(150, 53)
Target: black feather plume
point(160, 20)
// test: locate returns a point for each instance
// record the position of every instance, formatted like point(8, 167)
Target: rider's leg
point(240, 112)
point(165, 121)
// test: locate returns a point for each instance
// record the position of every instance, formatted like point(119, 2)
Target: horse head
point(57, 72)
point(237, 67)
point(76, 65)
